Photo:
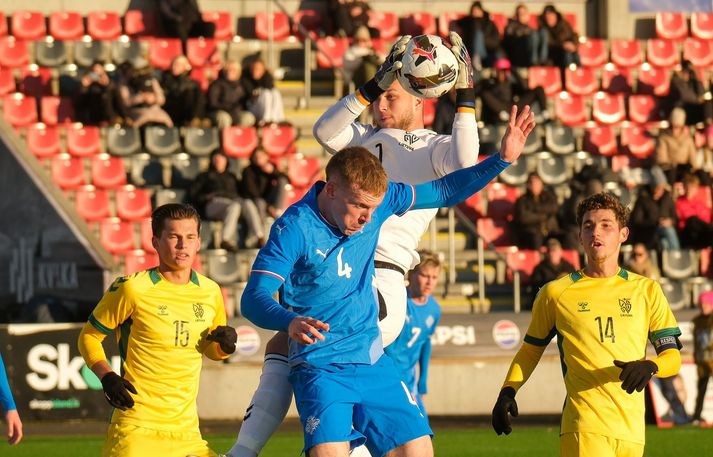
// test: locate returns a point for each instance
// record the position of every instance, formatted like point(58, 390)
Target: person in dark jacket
point(185, 102)
point(535, 214)
point(523, 44)
point(687, 92)
point(263, 99)
point(97, 100)
point(562, 41)
point(182, 19)
point(653, 219)
point(552, 266)
point(348, 15)
point(227, 97)
point(480, 36)
point(264, 184)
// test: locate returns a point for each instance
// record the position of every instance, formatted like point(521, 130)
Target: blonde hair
point(358, 168)
point(428, 258)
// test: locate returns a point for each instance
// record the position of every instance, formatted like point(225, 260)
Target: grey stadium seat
point(679, 264)
point(201, 142)
point(560, 139)
point(123, 141)
point(162, 141)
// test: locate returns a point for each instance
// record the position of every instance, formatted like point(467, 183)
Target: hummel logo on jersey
point(583, 307)
point(162, 310)
point(311, 425)
point(625, 306)
point(343, 269)
point(410, 138)
point(323, 254)
point(280, 229)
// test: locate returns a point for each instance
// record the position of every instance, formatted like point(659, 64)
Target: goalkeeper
point(602, 316)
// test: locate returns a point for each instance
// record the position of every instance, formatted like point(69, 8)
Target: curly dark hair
point(603, 200)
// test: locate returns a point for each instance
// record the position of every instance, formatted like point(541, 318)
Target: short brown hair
point(603, 200)
point(358, 168)
point(172, 211)
point(428, 258)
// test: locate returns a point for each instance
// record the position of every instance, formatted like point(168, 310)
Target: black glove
point(225, 336)
point(116, 391)
point(635, 375)
point(506, 404)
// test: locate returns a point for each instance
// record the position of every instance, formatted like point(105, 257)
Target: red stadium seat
point(108, 172)
point(28, 25)
point(421, 23)
point(473, 207)
point(600, 140)
point(524, 261)
point(386, 22)
point(620, 162)
point(571, 110)
point(637, 141)
point(56, 110)
point(671, 26)
point(43, 141)
point(617, 80)
point(18, 110)
point(13, 52)
point(239, 142)
point(500, 20)
point(66, 25)
point(3, 24)
point(608, 108)
point(501, 201)
point(492, 231)
point(702, 25)
point(330, 52)
point(643, 109)
point(294, 194)
point(223, 20)
point(139, 260)
point(446, 23)
point(278, 140)
point(581, 80)
point(593, 52)
point(662, 53)
point(626, 53)
point(146, 235)
point(202, 52)
point(117, 236)
point(699, 52)
point(303, 171)
point(92, 204)
point(67, 171)
point(280, 26)
point(162, 51)
point(104, 25)
point(35, 81)
point(653, 81)
point(571, 256)
point(547, 77)
point(140, 23)
point(429, 111)
point(8, 85)
point(203, 76)
point(310, 20)
point(83, 140)
point(132, 204)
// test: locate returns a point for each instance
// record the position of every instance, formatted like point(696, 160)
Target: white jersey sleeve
point(337, 128)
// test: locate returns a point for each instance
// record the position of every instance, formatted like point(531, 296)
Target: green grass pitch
point(524, 442)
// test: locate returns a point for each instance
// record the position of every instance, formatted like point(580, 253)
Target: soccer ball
point(429, 67)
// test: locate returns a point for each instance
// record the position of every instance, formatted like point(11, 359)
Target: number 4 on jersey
point(343, 269)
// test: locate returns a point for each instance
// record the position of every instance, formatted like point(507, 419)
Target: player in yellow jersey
point(602, 316)
point(165, 319)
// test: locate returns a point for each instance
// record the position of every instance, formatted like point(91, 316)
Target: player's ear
point(154, 243)
point(623, 234)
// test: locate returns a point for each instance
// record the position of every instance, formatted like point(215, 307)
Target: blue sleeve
point(258, 305)
point(457, 186)
point(8, 403)
point(423, 367)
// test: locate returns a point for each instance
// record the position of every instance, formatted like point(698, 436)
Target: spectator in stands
point(642, 264)
point(143, 98)
point(653, 219)
point(560, 38)
point(707, 154)
point(552, 266)
point(676, 152)
point(687, 92)
point(216, 195)
point(445, 113)
point(567, 212)
point(227, 98)
point(361, 60)
point(264, 184)
point(480, 36)
point(97, 98)
point(694, 215)
point(703, 350)
point(182, 19)
point(499, 92)
point(523, 44)
point(349, 15)
point(535, 214)
point(185, 102)
point(263, 99)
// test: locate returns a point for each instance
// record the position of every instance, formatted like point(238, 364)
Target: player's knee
point(277, 344)
point(419, 447)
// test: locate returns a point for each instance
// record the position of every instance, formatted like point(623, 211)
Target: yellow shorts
point(594, 445)
point(124, 440)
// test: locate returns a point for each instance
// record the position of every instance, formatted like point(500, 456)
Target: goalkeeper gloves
point(386, 74)
point(465, 66)
point(635, 375)
point(225, 336)
point(506, 404)
point(116, 391)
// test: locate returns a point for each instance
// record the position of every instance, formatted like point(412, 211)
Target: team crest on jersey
point(162, 310)
point(583, 307)
point(410, 138)
point(311, 425)
point(198, 311)
point(430, 321)
point(625, 306)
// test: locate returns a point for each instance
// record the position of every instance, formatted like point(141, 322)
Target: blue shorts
point(362, 404)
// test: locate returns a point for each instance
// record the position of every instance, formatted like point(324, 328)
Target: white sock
point(267, 409)
point(360, 451)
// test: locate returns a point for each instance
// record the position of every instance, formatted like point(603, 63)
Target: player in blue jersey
point(14, 424)
point(321, 255)
point(411, 352)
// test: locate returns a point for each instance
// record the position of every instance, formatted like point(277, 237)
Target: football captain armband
point(666, 339)
point(465, 100)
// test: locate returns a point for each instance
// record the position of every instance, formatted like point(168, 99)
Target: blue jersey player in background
point(411, 352)
point(321, 255)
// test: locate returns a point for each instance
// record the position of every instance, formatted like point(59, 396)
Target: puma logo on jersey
point(323, 254)
point(280, 229)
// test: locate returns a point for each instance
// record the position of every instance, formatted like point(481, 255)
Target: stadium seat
point(92, 204)
point(56, 110)
point(43, 141)
point(13, 52)
point(35, 81)
point(202, 52)
point(18, 110)
point(132, 203)
point(161, 141)
point(201, 142)
point(146, 234)
point(123, 141)
point(8, 85)
point(517, 173)
point(653, 80)
point(140, 23)
point(702, 25)
point(162, 51)
point(50, 53)
point(523, 261)
point(429, 111)
point(184, 170)
point(108, 172)
point(552, 168)
point(643, 109)
point(67, 171)
point(278, 140)
point(83, 140)
point(203, 76)
point(638, 141)
point(386, 22)
point(446, 22)
point(3, 24)
point(28, 25)
point(330, 52)
point(104, 25)
point(493, 231)
point(707, 263)
point(223, 20)
point(620, 162)
point(600, 140)
point(679, 264)
point(662, 53)
point(223, 266)
point(147, 171)
point(675, 294)
point(608, 108)
point(500, 20)
point(139, 260)
point(581, 80)
point(88, 51)
point(572, 256)
point(671, 25)
point(560, 139)
point(571, 110)
point(311, 21)
point(280, 26)
point(239, 142)
point(626, 53)
point(165, 196)
point(473, 206)
point(421, 23)
point(698, 52)
point(593, 52)
point(117, 236)
point(66, 25)
point(303, 171)
point(501, 201)
point(128, 51)
point(547, 77)
point(617, 80)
